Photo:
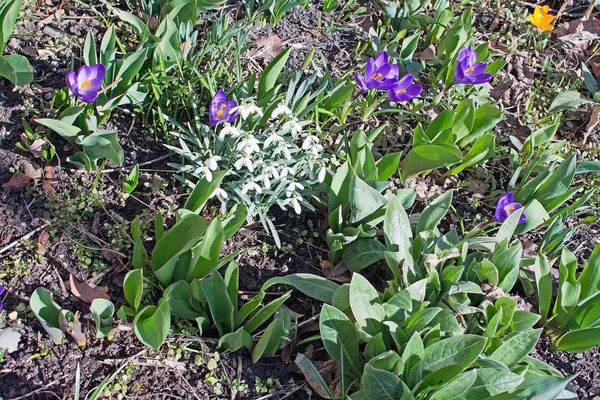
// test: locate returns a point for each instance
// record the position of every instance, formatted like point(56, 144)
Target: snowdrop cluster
point(278, 161)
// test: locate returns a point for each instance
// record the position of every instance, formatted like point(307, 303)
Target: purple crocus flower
point(468, 71)
point(404, 89)
point(87, 82)
point(379, 74)
point(506, 206)
point(221, 110)
point(1, 293)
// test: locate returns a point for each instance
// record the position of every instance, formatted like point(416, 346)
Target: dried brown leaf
point(268, 46)
point(427, 54)
point(86, 292)
point(18, 182)
point(42, 242)
point(593, 123)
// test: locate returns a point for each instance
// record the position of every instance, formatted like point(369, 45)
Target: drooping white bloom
point(212, 162)
point(281, 109)
point(264, 178)
point(272, 170)
point(229, 129)
point(220, 194)
point(321, 174)
point(249, 145)
point(294, 202)
point(293, 126)
point(283, 150)
point(204, 170)
point(287, 171)
point(273, 138)
point(251, 185)
point(293, 186)
point(244, 160)
point(312, 144)
point(247, 109)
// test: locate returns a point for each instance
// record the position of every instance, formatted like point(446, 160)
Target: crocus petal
point(360, 81)
point(505, 200)
point(71, 79)
point(483, 78)
point(405, 82)
point(464, 53)
point(384, 70)
point(500, 215)
point(97, 71)
point(478, 69)
point(88, 96)
point(414, 90)
point(95, 85)
point(381, 59)
point(83, 74)
point(393, 72)
point(370, 68)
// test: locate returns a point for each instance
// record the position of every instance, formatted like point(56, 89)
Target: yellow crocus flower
point(541, 18)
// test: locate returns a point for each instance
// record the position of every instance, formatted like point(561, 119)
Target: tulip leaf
point(16, 68)
point(236, 340)
point(47, 312)
point(102, 311)
point(362, 253)
point(151, 325)
point(271, 73)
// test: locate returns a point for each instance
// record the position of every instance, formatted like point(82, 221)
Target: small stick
point(42, 389)
point(26, 237)
point(122, 168)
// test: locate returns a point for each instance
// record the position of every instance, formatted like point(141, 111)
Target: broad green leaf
point(339, 193)
point(269, 341)
point(207, 254)
point(427, 157)
point(433, 214)
point(456, 387)
point(341, 297)
point(9, 12)
point(374, 347)
point(396, 226)
point(16, 68)
point(589, 279)
point(315, 286)
point(133, 287)
point(523, 320)
point(67, 131)
point(184, 235)
point(235, 220)
point(341, 340)
point(203, 191)
point(235, 340)
point(151, 325)
point(102, 311)
point(536, 214)
point(491, 382)
point(219, 303)
point(47, 313)
point(90, 56)
point(381, 385)
point(362, 253)
point(543, 281)
point(365, 202)
point(387, 166)
point(365, 302)
point(483, 149)
point(515, 349)
point(271, 73)
point(265, 313)
point(459, 350)
point(178, 295)
point(421, 319)
point(579, 340)
point(313, 377)
point(567, 101)
point(508, 227)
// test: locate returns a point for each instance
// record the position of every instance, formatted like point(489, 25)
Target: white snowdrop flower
point(272, 170)
point(251, 186)
point(273, 138)
point(220, 194)
point(321, 174)
point(212, 162)
point(244, 161)
point(312, 144)
point(247, 109)
point(293, 126)
point(204, 170)
point(249, 144)
point(283, 150)
point(230, 130)
point(281, 109)
point(295, 203)
point(293, 186)
point(264, 178)
point(285, 171)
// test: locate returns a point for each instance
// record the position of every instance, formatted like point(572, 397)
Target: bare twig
point(42, 389)
point(26, 237)
point(123, 168)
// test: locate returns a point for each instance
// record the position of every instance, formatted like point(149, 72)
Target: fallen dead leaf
point(327, 268)
point(594, 121)
point(42, 242)
point(87, 293)
point(268, 46)
point(18, 182)
point(580, 32)
point(48, 179)
point(427, 54)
